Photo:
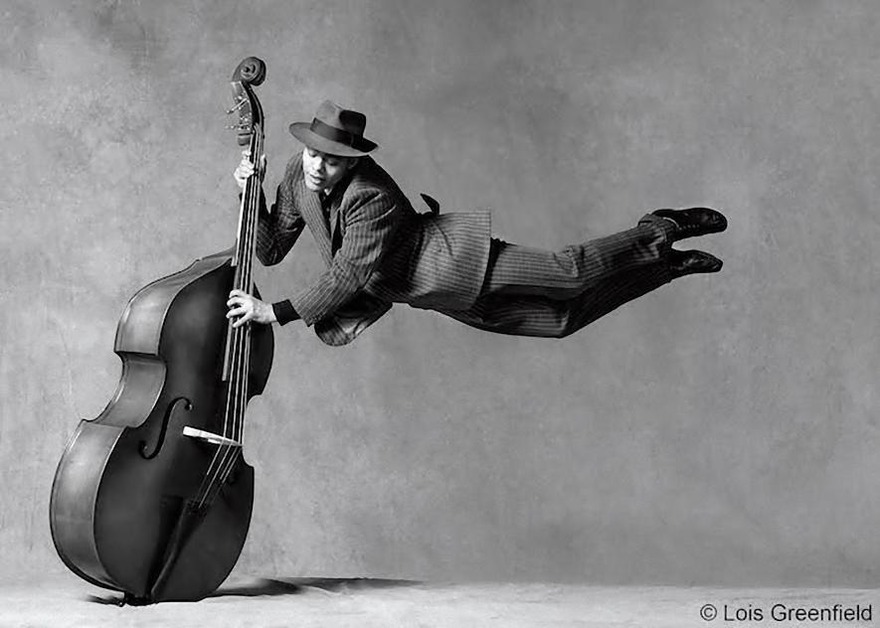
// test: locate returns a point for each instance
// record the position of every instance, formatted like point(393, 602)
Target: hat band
point(332, 133)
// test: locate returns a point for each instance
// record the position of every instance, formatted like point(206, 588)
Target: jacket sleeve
point(279, 229)
point(371, 221)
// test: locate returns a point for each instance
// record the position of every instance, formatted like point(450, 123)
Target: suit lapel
point(335, 200)
point(312, 213)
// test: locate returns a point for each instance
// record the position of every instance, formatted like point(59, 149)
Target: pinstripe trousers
point(533, 292)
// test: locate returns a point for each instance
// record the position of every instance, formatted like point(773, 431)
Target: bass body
point(123, 508)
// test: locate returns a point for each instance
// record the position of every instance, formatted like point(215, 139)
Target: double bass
point(153, 497)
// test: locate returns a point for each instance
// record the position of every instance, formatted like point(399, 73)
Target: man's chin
point(311, 186)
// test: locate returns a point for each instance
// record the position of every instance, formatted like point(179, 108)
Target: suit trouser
point(533, 292)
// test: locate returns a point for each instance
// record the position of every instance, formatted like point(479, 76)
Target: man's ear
point(352, 162)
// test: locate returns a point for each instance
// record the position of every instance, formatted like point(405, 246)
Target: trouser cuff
point(664, 226)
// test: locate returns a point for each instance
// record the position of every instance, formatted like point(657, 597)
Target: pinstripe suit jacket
point(377, 248)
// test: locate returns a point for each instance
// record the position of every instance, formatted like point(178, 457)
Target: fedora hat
point(335, 131)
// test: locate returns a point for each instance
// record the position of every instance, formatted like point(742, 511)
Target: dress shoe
point(695, 221)
point(683, 263)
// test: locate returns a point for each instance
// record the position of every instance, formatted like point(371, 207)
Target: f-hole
point(160, 440)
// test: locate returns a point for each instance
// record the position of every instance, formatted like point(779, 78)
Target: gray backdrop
point(722, 430)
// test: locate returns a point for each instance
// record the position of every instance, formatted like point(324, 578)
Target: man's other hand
point(245, 307)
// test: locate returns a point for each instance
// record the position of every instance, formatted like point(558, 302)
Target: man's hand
point(246, 168)
point(249, 308)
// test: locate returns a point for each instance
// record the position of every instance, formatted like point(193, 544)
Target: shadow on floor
point(292, 586)
point(284, 586)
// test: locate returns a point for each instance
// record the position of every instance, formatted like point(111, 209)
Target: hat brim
point(303, 132)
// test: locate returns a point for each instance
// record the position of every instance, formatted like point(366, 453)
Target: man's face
point(322, 171)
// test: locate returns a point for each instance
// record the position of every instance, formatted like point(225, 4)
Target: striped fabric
point(377, 248)
point(379, 251)
point(530, 292)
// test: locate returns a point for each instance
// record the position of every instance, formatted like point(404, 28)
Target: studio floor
point(364, 603)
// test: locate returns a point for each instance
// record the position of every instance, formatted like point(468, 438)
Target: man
point(379, 250)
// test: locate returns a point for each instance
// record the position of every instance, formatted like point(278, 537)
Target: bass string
point(226, 456)
point(237, 389)
point(244, 345)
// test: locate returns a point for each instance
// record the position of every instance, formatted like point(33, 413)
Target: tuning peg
point(238, 105)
